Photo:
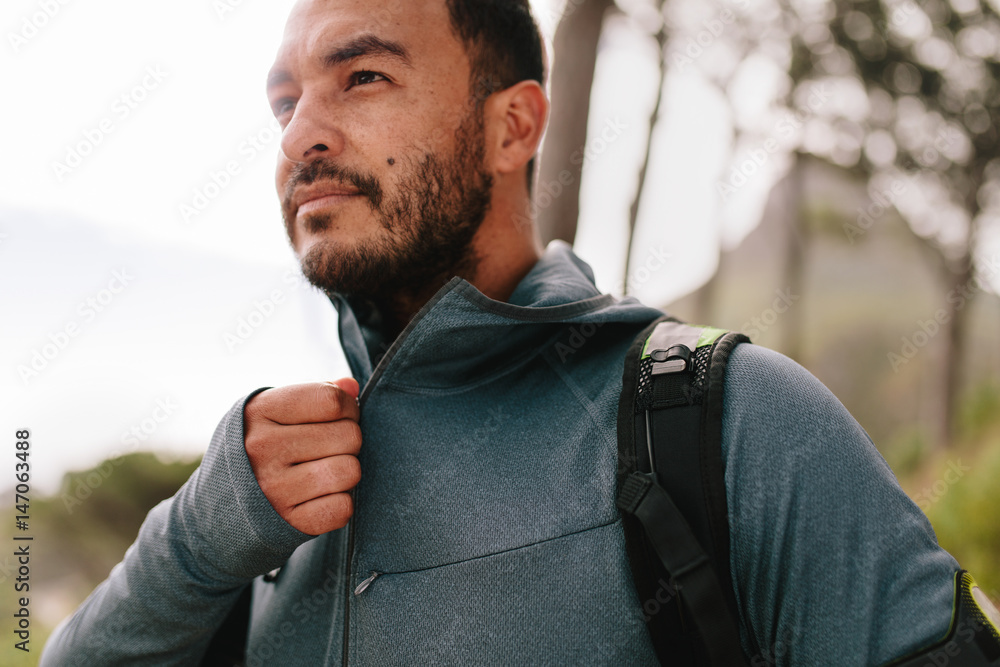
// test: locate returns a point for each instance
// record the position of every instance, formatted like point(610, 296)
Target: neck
point(504, 250)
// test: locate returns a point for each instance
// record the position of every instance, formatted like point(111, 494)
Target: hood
point(462, 336)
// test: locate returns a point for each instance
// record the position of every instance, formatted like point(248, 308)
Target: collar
point(461, 336)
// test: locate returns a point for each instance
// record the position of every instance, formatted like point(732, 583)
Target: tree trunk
point(706, 299)
point(654, 118)
point(572, 76)
point(960, 294)
point(795, 249)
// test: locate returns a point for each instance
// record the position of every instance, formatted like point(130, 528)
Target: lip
point(319, 196)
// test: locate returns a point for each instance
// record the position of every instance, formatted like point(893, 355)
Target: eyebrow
point(366, 45)
point(359, 47)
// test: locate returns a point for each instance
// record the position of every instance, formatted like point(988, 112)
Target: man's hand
point(303, 443)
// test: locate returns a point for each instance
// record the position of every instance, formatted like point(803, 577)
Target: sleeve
point(832, 563)
point(193, 556)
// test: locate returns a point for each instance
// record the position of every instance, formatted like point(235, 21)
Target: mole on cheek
point(392, 161)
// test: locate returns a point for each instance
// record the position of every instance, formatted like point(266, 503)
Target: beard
point(426, 224)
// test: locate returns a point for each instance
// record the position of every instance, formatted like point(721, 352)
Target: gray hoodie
point(486, 531)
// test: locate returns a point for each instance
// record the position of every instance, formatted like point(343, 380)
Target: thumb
point(350, 385)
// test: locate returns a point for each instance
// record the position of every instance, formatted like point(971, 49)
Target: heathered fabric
point(834, 564)
point(487, 509)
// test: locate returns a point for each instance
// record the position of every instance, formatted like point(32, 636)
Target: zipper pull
point(363, 586)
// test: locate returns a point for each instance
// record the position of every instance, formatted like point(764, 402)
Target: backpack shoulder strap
point(672, 490)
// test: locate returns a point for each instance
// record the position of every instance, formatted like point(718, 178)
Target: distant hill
point(192, 328)
point(854, 300)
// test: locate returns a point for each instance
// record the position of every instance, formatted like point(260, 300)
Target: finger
point(272, 447)
point(322, 515)
point(312, 403)
point(350, 385)
point(308, 481)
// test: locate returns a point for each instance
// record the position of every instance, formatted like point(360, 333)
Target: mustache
point(307, 173)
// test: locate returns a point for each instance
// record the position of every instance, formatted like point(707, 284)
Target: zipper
point(362, 399)
point(363, 586)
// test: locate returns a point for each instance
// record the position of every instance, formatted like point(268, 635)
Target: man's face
point(381, 174)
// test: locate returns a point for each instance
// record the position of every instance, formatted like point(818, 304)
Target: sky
point(146, 284)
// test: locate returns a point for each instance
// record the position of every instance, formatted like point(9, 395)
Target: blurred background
point(821, 175)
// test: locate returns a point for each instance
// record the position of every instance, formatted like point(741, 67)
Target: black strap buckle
point(677, 359)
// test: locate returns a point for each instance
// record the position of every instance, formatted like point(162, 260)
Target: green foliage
point(964, 518)
point(959, 490)
point(907, 452)
point(821, 216)
point(99, 511)
point(81, 533)
point(12, 657)
point(979, 411)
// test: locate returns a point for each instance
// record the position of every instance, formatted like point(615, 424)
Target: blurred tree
point(904, 94)
point(731, 43)
point(654, 118)
point(571, 79)
point(921, 102)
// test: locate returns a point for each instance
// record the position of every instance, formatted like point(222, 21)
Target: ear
point(517, 116)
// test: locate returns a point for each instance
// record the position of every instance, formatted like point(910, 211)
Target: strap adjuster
point(677, 359)
point(633, 490)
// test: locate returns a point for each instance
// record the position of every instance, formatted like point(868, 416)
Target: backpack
point(677, 542)
point(672, 494)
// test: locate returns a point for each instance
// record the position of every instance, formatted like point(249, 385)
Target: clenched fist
point(303, 443)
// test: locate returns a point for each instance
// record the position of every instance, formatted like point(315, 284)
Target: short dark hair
point(502, 40)
point(503, 44)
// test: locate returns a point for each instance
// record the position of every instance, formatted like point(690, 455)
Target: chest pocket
point(567, 600)
point(502, 466)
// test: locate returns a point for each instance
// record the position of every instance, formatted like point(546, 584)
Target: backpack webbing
point(672, 491)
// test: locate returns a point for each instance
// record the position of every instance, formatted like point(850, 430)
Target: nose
point(312, 132)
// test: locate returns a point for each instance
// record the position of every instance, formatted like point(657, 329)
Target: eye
point(282, 106)
point(365, 77)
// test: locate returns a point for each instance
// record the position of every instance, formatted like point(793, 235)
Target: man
point(464, 512)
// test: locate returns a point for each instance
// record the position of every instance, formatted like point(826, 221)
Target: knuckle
point(336, 396)
point(254, 454)
point(311, 477)
point(350, 470)
point(334, 515)
point(309, 525)
point(253, 411)
point(352, 437)
point(343, 508)
point(252, 440)
point(258, 449)
point(270, 491)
